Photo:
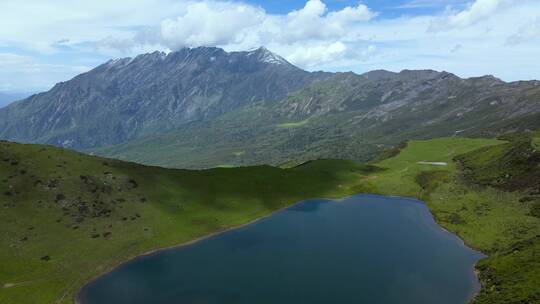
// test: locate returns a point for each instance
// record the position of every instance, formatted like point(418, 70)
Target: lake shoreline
point(152, 252)
point(181, 245)
point(476, 272)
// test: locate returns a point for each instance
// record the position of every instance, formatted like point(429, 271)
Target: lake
point(362, 249)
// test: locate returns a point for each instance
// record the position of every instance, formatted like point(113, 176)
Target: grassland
point(67, 217)
point(492, 215)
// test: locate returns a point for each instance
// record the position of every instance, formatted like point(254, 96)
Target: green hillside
point(347, 116)
point(68, 217)
point(512, 273)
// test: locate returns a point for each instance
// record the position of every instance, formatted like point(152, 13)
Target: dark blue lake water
point(363, 249)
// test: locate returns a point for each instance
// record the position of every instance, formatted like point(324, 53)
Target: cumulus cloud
point(308, 55)
point(63, 37)
point(314, 22)
point(232, 23)
point(205, 24)
point(317, 34)
point(474, 13)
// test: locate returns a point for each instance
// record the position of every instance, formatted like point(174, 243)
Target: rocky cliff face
point(414, 99)
point(129, 98)
point(346, 116)
point(210, 107)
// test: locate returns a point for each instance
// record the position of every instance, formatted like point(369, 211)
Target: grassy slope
point(67, 217)
point(263, 140)
point(512, 272)
point(495, 220)
point(182, 205)
point(358, 129)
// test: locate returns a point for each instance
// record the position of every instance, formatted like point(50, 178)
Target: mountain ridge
point(150, 93)
point(345, 116)
point(204, 107)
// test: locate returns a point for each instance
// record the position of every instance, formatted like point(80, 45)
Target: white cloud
point(25, 73)
point(7, 59)
point(310, 36)
point(79, 34)
point(320, 53)
point(230, 23)
point(37, 24)
point(525, 33)
point(315, 22)
point(210, 24)
point(474, 13)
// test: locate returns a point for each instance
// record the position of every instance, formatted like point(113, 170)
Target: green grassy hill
point(468, 199)
point(67, 217)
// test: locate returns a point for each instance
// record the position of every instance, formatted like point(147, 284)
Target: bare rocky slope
point(347, 116)
point(205, 107)
point(127, 98)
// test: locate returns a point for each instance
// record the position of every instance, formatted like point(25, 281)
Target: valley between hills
point(68, 217)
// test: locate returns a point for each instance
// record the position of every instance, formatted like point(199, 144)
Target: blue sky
point(386, 8)
point(46, 41)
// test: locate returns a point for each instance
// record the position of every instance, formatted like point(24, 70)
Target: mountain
point(419, 103)
point(205, 107)
point(128, 98)
point(346, 116)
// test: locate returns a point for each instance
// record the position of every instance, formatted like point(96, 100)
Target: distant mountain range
point(205, 107)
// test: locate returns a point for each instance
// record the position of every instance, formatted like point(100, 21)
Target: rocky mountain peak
point(264, 55)
point(152, 93)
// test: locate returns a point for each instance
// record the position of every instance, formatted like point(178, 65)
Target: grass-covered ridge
point(511, 274)
point(67, 217)
point(95, 213)
point(512, 166)
point(468, 199)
